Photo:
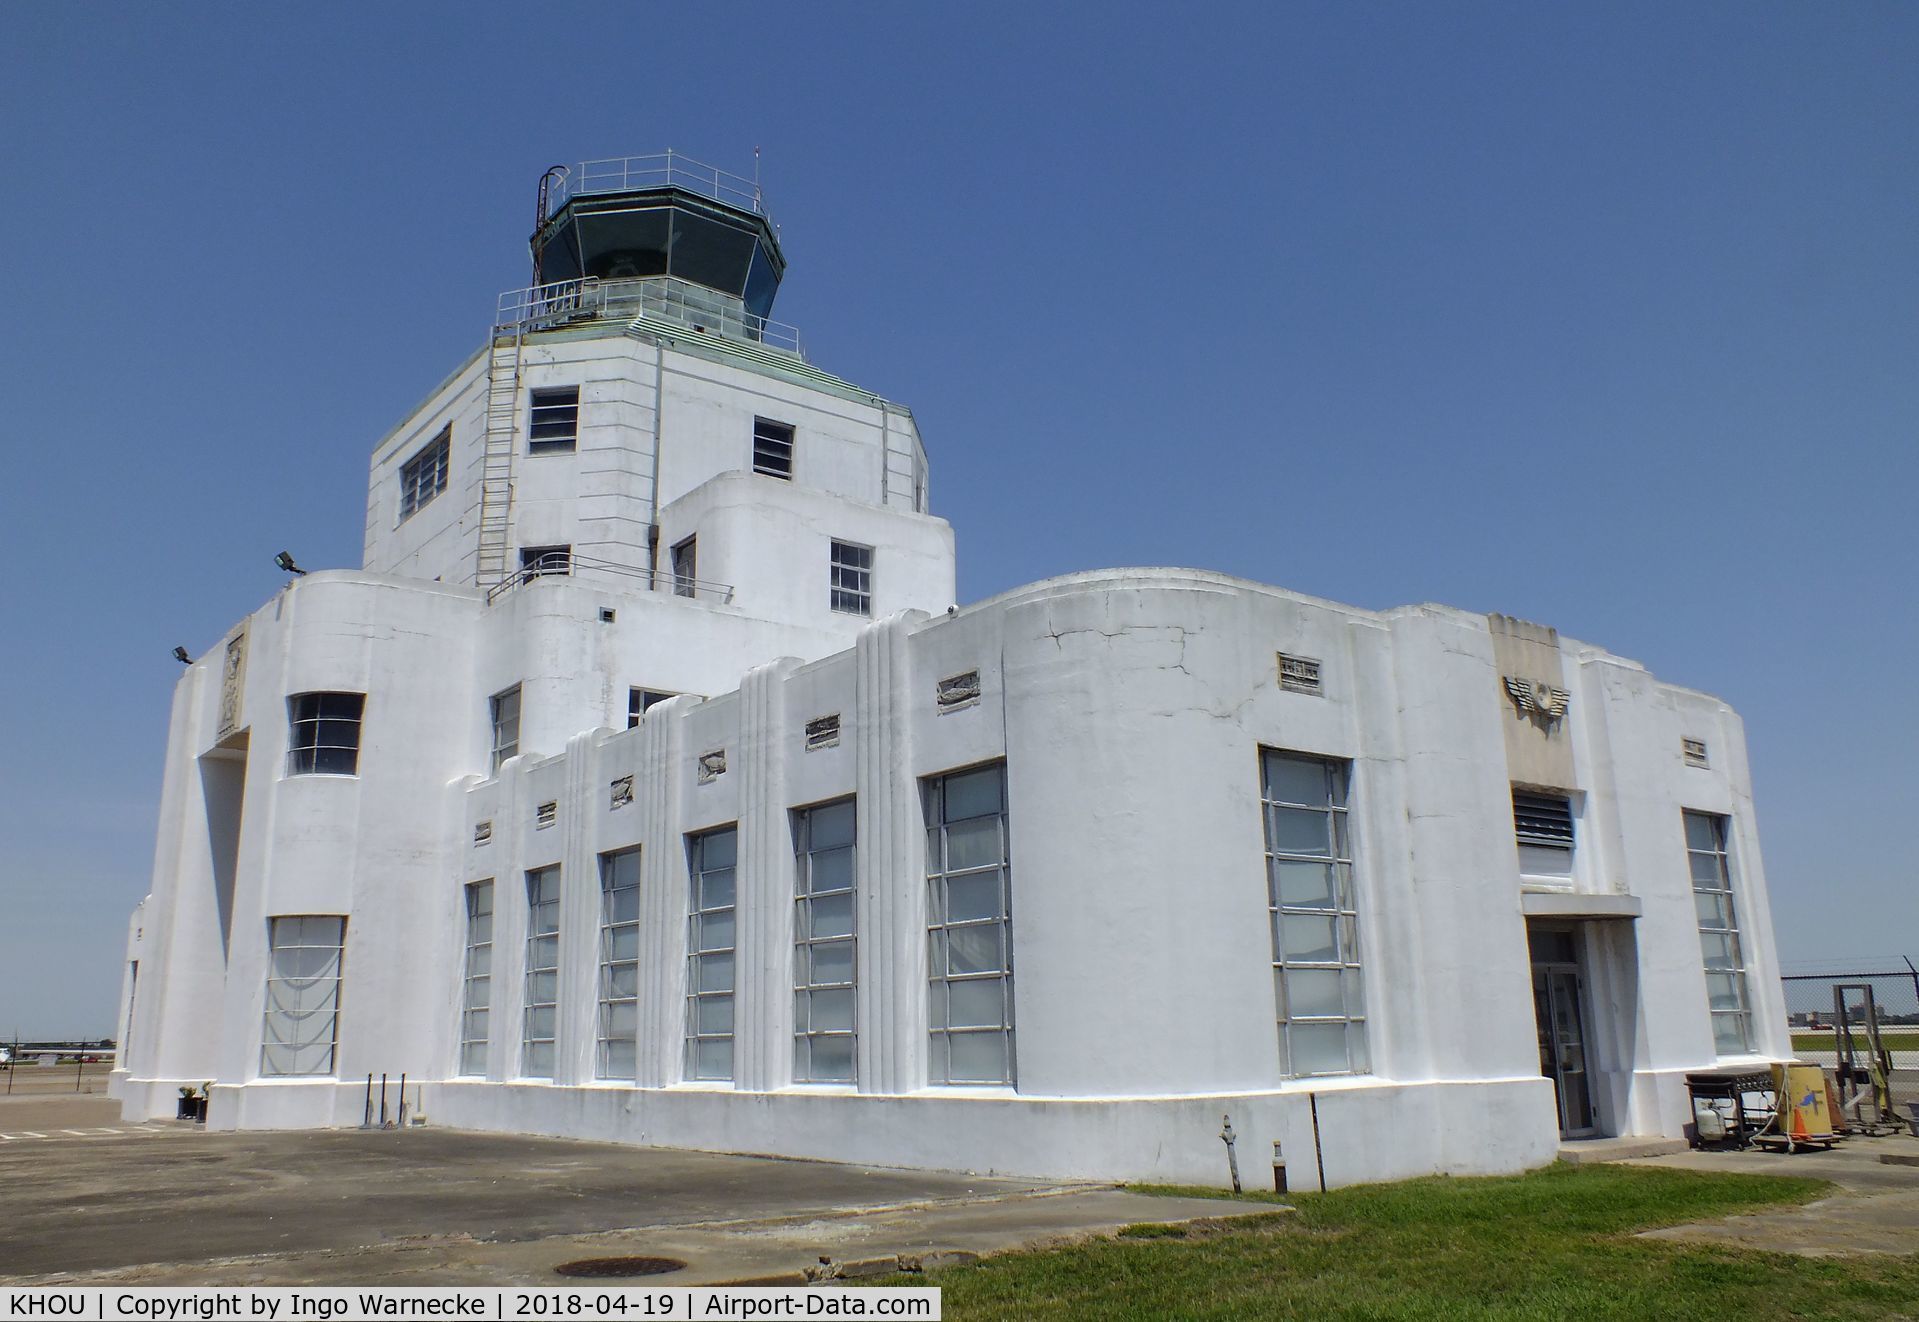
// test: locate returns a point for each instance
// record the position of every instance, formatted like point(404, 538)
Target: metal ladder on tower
point(496, 464)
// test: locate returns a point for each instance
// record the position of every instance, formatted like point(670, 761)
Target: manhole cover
point(610, 1267)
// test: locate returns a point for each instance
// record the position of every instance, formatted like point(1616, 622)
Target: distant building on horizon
point(647, 784)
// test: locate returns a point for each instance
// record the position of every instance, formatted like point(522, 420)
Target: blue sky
point(1603, 316)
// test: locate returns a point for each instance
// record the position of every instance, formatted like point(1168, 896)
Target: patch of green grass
point(1556, 1243)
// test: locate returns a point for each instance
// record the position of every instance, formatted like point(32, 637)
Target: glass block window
point(323, 736)
point(773, 448)
point(1543, 826)
point(1719, 943)
point(710, 941)
point(553, 420)
point(852, 578)
point(969, 927)
point(424, 475)
point(476, 996)
point(1314, 913)
point(540, 1019)
point(505, 712)
point(619, 964)
point(824, 924)
point(303, 995)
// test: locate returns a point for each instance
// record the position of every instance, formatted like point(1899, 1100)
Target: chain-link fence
point(1812, 1010)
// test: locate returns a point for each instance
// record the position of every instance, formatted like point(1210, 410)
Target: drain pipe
point(1228, 1137)
point(1319, 1157)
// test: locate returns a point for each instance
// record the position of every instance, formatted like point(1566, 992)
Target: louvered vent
point(1694, 751)
point(546, 814)
point(1298, 674)
point(823, 732)
point(1540, 819)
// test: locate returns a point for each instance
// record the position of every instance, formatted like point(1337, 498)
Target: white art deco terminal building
point(645, 785)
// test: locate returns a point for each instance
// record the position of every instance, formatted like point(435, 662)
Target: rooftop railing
point(667, 298)
point(622, 174)
point(558, 565)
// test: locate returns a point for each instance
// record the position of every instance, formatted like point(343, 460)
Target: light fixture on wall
point(285, 561)
point(180, 655)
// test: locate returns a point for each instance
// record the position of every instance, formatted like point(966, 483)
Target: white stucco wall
point(1130, 708)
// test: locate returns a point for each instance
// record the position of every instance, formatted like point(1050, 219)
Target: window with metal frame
point(536, 561)
point(323, 738)
point(851, 578)
point(969, 927)
point(1543, 828)
point(773, 448)
point(303, 995)
point(1727, 994)
point(1313, 906)
point(553, 420)
point(686, 567)
point(540, 1019)
point(641, 701)
point(619, 964)
point(476, 994)
point(504, 710)
point(825, 926)
point(424, 475)
point(710, 942)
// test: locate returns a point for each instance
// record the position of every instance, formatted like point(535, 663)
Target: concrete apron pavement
point(175, 1205)
point(1874, 1210)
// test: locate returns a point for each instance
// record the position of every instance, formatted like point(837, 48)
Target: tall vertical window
point(540, 1019)
point(851, 588)
point(1314, 913)
point(969, 927)
point(505, 712)
point(553, 420)
point(1719, 942)
point(823, 928)
point(323, 737)
point(686, 567)
point(710, 945)
point(773, 448)
point(476, 995)
point(1543, 826)
point(619, 964)
point(303, 995)
point(424, 475)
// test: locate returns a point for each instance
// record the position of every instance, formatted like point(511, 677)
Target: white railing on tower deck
point(566, 565)
point(665, 297)
point(621, 174)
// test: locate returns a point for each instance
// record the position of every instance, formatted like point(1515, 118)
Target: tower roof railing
point(623, 174)
point(657, 297)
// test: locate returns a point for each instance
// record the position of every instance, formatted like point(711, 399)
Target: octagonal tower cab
point(660, 233)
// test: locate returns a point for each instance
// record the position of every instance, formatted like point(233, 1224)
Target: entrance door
point(1559, 1004)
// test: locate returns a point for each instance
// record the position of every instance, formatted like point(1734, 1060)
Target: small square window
point(424, 475)
point(773, 448)
point(851, 578)
point(638, 701)
point(1694, 752)
point(553, 420)
point(536, 561)
point(324, 734)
